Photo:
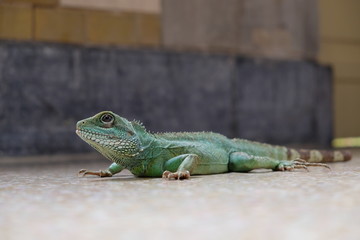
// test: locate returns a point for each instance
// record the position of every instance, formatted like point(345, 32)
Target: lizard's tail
point(318, 156)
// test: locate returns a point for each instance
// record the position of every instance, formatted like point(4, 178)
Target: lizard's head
point(110, 134)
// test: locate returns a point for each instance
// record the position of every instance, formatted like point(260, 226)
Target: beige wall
point(340, 47)
point(151, 6)
point(257, 28)
point(133, 23)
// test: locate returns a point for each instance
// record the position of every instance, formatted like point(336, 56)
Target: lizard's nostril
point(79, 124)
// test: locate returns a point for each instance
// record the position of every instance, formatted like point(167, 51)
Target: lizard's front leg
point(180, 167)
point(113, 169)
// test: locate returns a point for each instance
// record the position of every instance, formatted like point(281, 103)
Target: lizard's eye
point(107, 118)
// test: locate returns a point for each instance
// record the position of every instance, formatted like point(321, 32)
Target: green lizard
point(178, 155)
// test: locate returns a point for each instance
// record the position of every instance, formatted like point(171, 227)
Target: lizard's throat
point(105, 143)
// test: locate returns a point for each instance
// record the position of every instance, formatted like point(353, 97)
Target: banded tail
point(318, 156)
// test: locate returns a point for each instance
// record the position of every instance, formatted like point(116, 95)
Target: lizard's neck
point(147, 142)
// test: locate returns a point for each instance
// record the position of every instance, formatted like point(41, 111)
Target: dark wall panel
point(46, 88)
point(283, 102)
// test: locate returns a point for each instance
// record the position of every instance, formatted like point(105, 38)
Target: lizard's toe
point(100, 173)
point(166, 174)
point(179, 175)
point(184, 175)
point(289, 168)
point(82, 172)
point(298, 164)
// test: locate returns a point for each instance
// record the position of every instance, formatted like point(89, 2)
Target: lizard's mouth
point(96, 136)
point(108, 141)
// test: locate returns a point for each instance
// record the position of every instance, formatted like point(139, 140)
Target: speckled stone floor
point(49, 201)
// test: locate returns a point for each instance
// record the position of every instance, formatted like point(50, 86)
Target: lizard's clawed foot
point(298, 164)
point(100, 173)
point(179, 175)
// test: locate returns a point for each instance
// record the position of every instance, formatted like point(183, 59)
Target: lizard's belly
point(210, 168)
point(212, 162)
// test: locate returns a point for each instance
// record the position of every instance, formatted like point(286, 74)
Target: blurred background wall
point(340, 47)
point(280, 71)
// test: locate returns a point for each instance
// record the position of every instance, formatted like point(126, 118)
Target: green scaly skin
point(178, 155)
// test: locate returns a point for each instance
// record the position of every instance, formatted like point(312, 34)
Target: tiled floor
point(48, 201)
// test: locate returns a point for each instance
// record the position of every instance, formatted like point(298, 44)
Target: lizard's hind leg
point(243, 162)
